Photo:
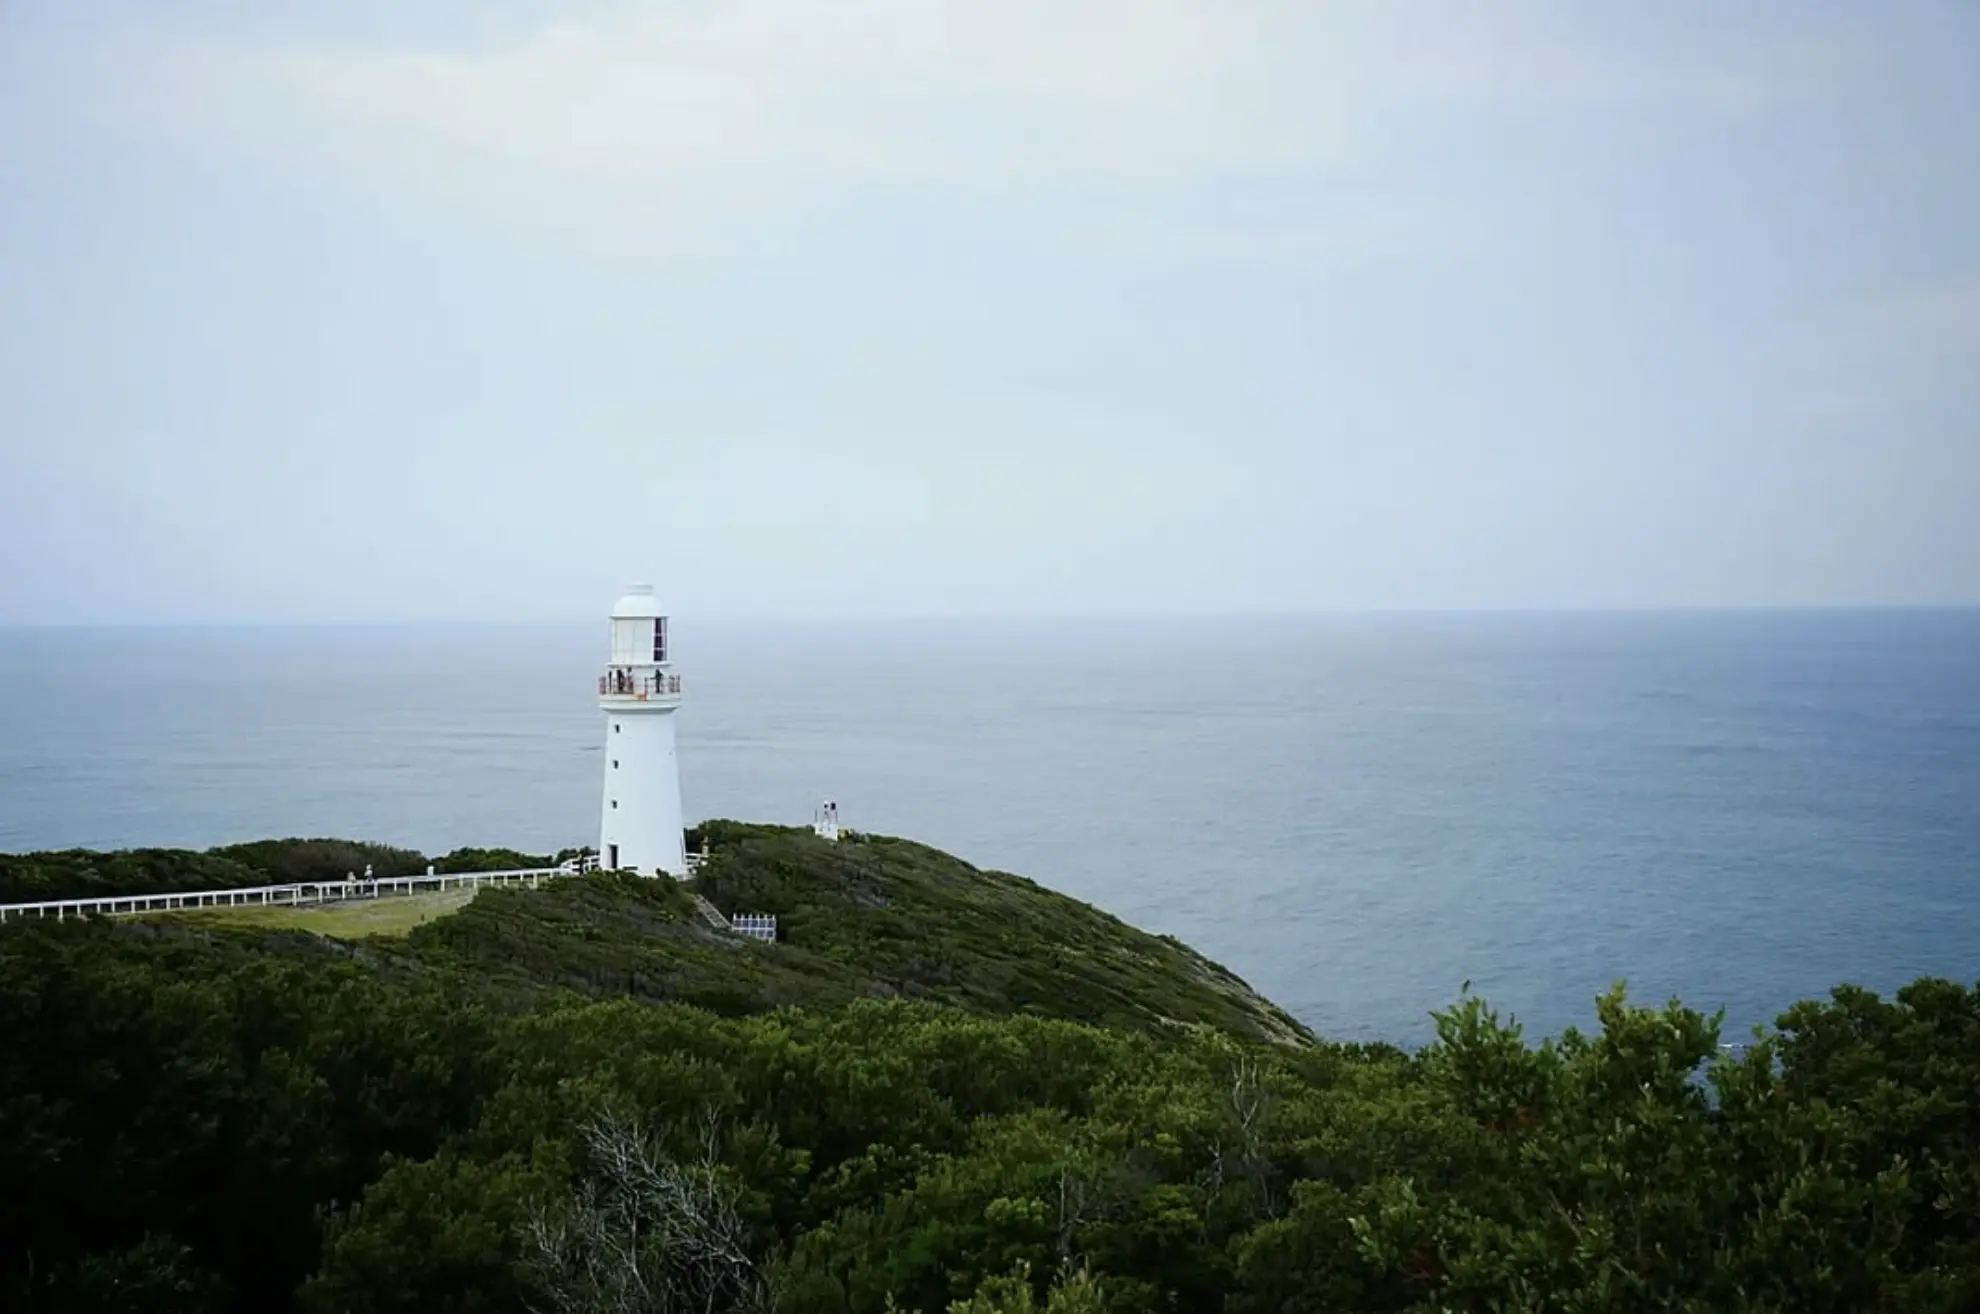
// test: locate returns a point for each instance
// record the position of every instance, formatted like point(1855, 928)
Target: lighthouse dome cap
point(638, 604)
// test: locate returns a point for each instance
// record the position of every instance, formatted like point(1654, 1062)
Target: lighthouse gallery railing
point(624, 684)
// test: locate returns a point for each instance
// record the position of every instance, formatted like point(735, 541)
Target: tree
point(643, 1233)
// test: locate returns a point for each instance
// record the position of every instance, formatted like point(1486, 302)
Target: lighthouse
point(640, 825)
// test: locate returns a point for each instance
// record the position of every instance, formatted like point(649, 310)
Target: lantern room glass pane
point(659, 638)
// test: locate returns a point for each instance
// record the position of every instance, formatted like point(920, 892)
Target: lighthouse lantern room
point(640, 828)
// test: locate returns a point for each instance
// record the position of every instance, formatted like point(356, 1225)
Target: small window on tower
point(659, 638)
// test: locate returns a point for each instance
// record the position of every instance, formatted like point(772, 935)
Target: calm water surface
point(1356, 814)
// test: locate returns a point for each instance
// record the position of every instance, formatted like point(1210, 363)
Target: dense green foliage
point(82, 874)
point(927, 925)
point(471, 859)
point(289, 861)
point(615, 935)
point(876, 918)
point(193, 1120)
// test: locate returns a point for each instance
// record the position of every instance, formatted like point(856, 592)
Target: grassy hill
point(911, 920)
point(870, 917)
point(354, 919)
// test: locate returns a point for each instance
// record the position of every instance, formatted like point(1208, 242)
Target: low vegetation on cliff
point(84, 874)
point(943, 1090)
point(872, 917)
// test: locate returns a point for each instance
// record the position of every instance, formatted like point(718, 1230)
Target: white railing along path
point(300, 894)
point(309, 894)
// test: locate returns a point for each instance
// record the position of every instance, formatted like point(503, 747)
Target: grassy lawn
point(354, 920)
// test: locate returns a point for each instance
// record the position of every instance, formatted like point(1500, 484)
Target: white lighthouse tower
point(640, 826)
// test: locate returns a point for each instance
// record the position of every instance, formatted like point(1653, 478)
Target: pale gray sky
point(469, 310)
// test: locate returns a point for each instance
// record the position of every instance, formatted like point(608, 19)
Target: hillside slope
point(870, 917)
point(925, 924)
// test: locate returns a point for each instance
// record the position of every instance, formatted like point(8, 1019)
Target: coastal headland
point(937, 1088)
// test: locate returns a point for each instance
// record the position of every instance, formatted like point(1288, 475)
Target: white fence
point(310, 894)
point(305, 894)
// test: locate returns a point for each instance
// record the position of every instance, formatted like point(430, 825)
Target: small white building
point(640, 819)
point(825, 822)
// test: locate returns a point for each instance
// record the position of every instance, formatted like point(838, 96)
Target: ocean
point(1357, 814)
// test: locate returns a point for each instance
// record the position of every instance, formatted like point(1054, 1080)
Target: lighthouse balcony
point(632, 687)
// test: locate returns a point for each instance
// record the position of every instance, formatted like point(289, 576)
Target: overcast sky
point(475, 310)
